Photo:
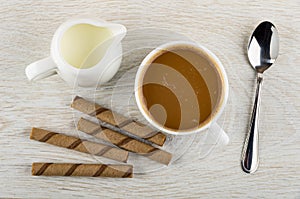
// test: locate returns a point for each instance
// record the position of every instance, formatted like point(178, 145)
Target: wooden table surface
point(26, 30)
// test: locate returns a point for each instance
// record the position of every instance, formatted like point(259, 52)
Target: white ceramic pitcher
point(109, 53)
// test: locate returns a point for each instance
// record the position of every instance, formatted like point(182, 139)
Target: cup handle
point(216, 131)
point(41, 69)
point(216, 136)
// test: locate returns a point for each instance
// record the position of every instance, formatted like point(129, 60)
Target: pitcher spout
point(118, 31)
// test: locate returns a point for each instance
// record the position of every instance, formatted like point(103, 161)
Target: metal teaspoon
point(263, 49)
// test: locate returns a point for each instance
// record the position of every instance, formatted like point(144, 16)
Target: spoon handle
point(250, 158)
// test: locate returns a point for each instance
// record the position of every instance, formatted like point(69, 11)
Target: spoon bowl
point(263, 47)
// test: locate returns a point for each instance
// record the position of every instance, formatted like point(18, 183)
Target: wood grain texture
point(26, 30)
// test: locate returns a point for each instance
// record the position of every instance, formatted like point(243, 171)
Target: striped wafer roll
point(77, 144)
point(91, 170)
point(124, 141)
point(117, 120)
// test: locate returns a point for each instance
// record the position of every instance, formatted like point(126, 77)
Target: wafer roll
point(91, 170)
point(77, 144)
point(124, 141)
point(120, 121)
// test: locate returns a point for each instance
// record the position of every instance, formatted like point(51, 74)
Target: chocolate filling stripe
point(43, 169)
point(124, 141)
point(127, 173)
point(72, 169)
point(151, 134)
point(99, 111)
point(100, 170)
point(125, 123)
point(75, 144)
point(138, 123)
point(152, 150)
point(103, 151)
point(47, 136)
point(96, 131)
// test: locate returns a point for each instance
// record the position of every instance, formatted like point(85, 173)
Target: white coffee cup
point(217, 107)
point(110, 51)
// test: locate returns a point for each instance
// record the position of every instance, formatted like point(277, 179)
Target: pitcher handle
point(41, 69)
